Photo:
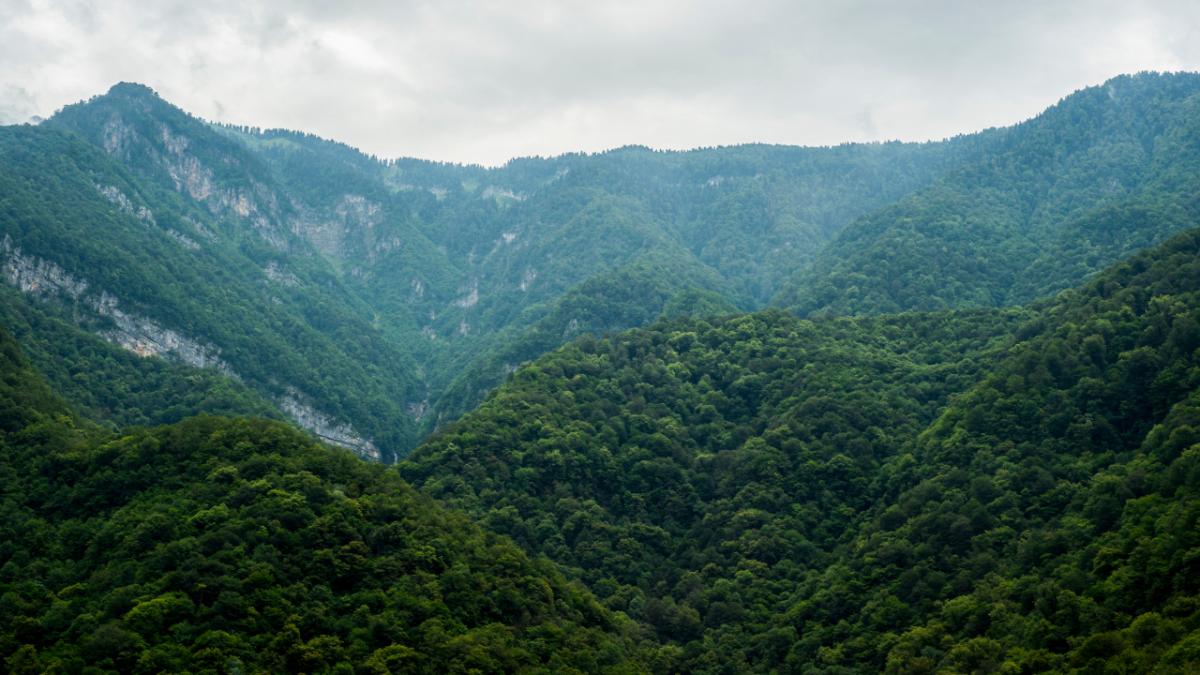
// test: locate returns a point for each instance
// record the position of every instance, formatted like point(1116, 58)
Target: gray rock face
point(348, 225)
point(145, 337)
point(184, 240)
point(36, 276)
point(494, 192)
point(527, 279)
point(326, 427)
point(256, 204)
point(357, 211)
point(172, 149)
point(417, 409)
point(280, 275)
point(116, 137)
point(124, 204)
point(571, 329)
point(471, 298)
point(325, 235)
point(138, 334)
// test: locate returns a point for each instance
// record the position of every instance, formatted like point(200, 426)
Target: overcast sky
point(486, 81)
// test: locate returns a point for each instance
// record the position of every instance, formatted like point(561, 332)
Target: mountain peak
point(132, 89)
point(125, 98)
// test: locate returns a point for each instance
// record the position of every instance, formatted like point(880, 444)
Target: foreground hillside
point(971, 483)
point(950, 492)
point(968, 491)
point(219, 545)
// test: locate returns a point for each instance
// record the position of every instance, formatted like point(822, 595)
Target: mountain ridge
point(1051, 171)
point(991, 465)
point(453, 275)
point(922, 492)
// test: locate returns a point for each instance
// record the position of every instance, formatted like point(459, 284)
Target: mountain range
point(373, 301)
point(902, 407)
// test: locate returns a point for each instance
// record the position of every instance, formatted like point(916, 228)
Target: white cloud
point(485, 81)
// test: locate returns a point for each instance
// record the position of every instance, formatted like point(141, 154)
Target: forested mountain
point(994, 490)
point(1048, 518)
point(970, 491)
point(115, 386)
point(965, 439)
point(1107, 171)
point(374, 300)
point(371, 299)
point(487, 264)
point(219, 545)
point(161, 275)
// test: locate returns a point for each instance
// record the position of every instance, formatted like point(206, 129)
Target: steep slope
point(748, 212)
point(694, 472)
point(348, 208)
point(1108, 171)
point(948, 492)
point(176, 152)
point(512, 242)
point(242, 546)
point(629, 296)
point(114, 386)
point(25, 398)
point(1047, 519)
point(408, 274)
point(373, 300)
point(162, 273)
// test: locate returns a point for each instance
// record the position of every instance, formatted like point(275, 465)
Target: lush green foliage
point(693, 472)
point(220, 545)
point(393, 294)
point(1106, 172)
point(377, 291)
point(477, 269)
point(306, 335)
point(958, 490)
point(1048, 519)
point(24, 396)
point(633, 295)
point(771, 493)
point(114, 386)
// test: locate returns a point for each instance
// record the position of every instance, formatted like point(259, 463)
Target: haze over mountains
point(884, 407)
point(375, 300)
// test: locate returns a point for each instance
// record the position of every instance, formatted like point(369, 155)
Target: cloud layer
point(486, 81)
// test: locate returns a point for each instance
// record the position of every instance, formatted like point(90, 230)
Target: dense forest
point(904, 408)
point(965, 491)
point(374, 301)
point(221, 545)
point(1088, 182)
point(113, 386)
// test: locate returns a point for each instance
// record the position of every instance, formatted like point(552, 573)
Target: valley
point(271, 404)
